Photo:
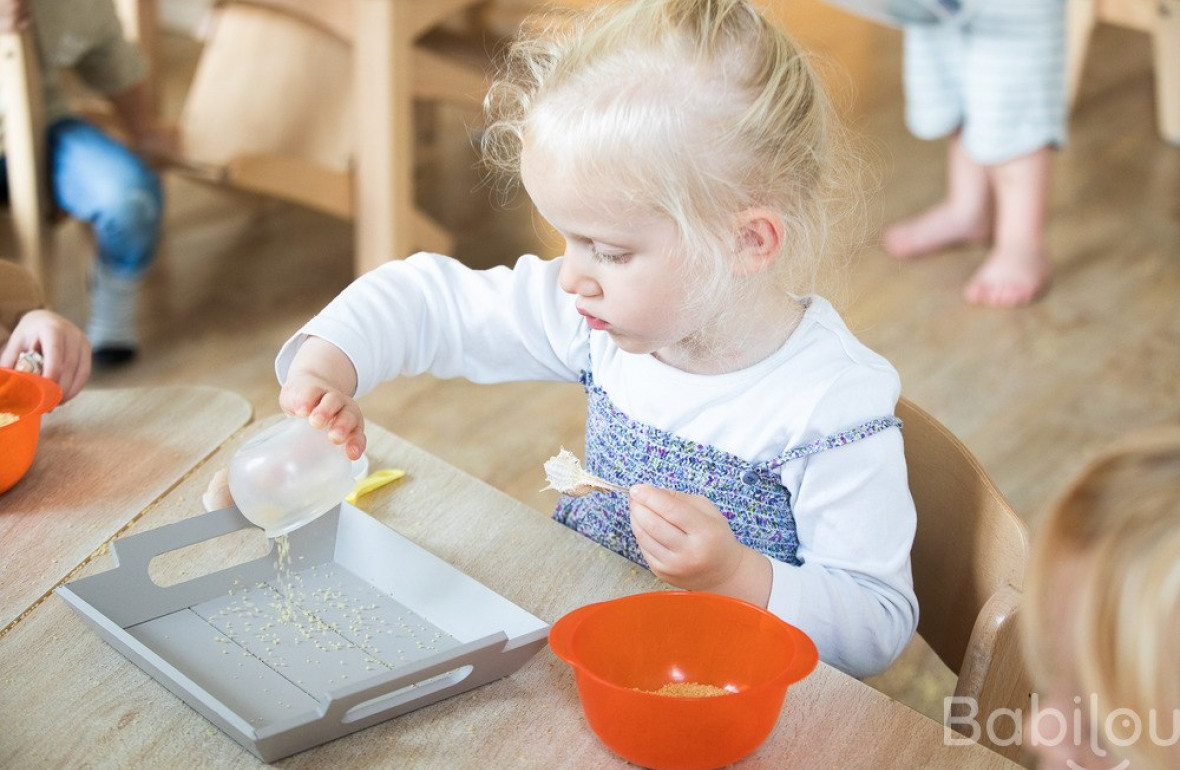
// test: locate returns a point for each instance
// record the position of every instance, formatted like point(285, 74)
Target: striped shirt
point(996, 71)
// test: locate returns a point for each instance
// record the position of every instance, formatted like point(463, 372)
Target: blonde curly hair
point(694, 109)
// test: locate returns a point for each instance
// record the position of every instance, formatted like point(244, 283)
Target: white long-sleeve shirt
point(853, 594)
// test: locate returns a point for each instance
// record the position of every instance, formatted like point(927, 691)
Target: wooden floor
point(1033, 392)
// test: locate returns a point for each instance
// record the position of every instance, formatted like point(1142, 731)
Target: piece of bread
point(565, 474)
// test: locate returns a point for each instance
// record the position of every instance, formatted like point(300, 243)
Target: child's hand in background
point(62, 345)
point(687, 542)
point(318, 385)
point(14, 15)
point(159, 141)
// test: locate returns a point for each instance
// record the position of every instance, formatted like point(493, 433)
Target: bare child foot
point(937, 228)
point(1009, 279)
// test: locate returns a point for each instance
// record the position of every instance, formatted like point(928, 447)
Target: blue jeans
point(97, 180)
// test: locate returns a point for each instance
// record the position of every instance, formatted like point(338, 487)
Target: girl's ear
point(760, 238)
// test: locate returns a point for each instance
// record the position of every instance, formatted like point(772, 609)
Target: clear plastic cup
point(288, 475)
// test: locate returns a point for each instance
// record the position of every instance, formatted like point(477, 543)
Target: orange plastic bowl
point(28, 396)
point(623, 649)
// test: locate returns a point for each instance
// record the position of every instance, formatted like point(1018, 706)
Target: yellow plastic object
point(374, 480)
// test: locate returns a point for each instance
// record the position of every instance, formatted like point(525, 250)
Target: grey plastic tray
point(375, 627)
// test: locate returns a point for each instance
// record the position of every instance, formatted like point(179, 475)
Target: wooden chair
point(316, 120)
point(293, 99)
point(24, 132)
point(968, 563)
point(1158, 18)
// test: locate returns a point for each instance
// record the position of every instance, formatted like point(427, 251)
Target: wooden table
point(67, 699)
point(103, 458)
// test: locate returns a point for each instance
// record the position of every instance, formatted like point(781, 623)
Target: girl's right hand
point(326, 408)
point(318, 385)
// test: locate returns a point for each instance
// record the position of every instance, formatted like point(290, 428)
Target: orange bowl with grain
point(650, 670)
point(24, 398)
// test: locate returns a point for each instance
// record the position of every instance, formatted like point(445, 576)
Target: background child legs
point(1017, 267)
point(99, 181)
point(963, 216)
point(1006, 204)
point(992, 80)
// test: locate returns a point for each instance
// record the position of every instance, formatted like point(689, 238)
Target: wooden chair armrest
point(993, 675)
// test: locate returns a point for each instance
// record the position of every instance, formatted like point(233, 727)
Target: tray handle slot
point(371, 701)
point(421, 688)
point(134, 552)
point(128, 595)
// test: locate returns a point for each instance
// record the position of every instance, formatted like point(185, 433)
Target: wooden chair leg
point(140, 20)
point(1166, 45)
point(25, 139)
point(1079, 25)
point(429, 235)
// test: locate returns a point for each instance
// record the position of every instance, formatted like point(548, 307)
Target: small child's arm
point(320, 384)
point(687, 542)
point(110, 62)
point(156, 139)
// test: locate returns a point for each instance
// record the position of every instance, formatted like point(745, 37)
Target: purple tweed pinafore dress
point(749, 494)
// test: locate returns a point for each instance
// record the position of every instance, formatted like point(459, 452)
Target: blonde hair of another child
point(1119, 525)
point(694, 109)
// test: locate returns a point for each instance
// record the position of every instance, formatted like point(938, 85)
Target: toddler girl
point(682, 148)
point(1102, 612)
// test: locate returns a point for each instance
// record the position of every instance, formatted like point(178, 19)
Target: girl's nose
point(575, 280)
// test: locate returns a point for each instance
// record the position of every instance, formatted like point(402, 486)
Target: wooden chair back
point(285, 124)
point(968, 560)
point(280, 123)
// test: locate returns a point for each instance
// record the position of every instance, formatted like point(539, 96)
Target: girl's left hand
point(687, 542)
